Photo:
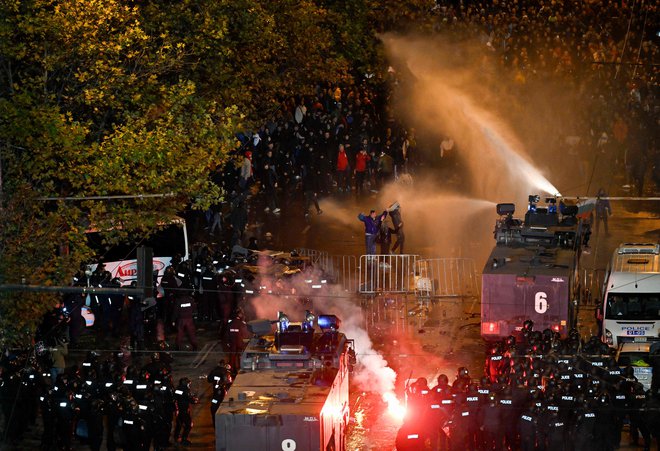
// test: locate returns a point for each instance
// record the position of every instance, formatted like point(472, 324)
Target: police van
point(631, 304)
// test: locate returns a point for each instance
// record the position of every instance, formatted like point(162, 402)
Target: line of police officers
point(545, 394)
point(132, 408)
point(192, 289)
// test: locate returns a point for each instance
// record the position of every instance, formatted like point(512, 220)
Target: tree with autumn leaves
point(112, 97)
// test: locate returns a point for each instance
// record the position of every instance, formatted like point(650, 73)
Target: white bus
point(631, 305)
point(121, 259)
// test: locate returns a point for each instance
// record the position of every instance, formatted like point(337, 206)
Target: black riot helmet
point(422, 383)
point(184, 382)
point(528, 325)
point(629, 372)
point(228, 277)
point(238, 313)
point(176, 259)
point(604, 399)
point(547, 334)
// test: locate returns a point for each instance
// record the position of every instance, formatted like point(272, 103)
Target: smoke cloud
point(512, 136)
point(295, 294)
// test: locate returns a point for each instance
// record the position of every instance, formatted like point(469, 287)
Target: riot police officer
point(605, 433)
point(221, 379)
point(409, 437)
point(169, 284)
point(184, 398)
point(419, 402)
point(164, 408)
point(495, 363)
point(226, 299)
point(183, 315)
point(95, 423)
point(208, 291)
point(132, 425)
point(442, 404)
point(460, 424)
point(555, 432)
point(584, 426)
point(115, 306)
point(490, 421)
point(66, 413)
point(637, 421)
point(527, 426)
point(136, 320)
point(156, 367)
point(237, 332)
point(462, 377)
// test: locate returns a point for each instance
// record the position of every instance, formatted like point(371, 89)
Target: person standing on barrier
point(395, 213)
point(371, 228)
point(384, 238)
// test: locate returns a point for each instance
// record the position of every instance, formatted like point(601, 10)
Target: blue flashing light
point(326, 322)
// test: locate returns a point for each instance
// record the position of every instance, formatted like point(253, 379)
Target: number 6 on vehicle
point(540, 302)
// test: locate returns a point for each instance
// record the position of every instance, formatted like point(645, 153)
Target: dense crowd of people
point(542, 393)
point(344, 139)
point(606, 51)
point(336, 142)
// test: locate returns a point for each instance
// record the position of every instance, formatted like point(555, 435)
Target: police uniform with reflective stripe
point(185, 325)
point(527, 430)
point(237, 331)
point(583, 434)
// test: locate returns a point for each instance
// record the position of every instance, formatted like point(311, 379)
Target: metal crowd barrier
point(340, 269)
point(387, 273)
point(407, 274)
point(316, 257)
point(343, 272)
point(446, 277)
point(592, 283)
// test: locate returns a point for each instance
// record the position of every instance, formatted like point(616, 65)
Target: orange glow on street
point(394, 406)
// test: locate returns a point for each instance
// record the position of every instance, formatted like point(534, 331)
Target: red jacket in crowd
point(342, 161)
point(361, 161)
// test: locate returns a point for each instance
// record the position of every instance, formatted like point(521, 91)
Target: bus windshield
point(633, 306)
